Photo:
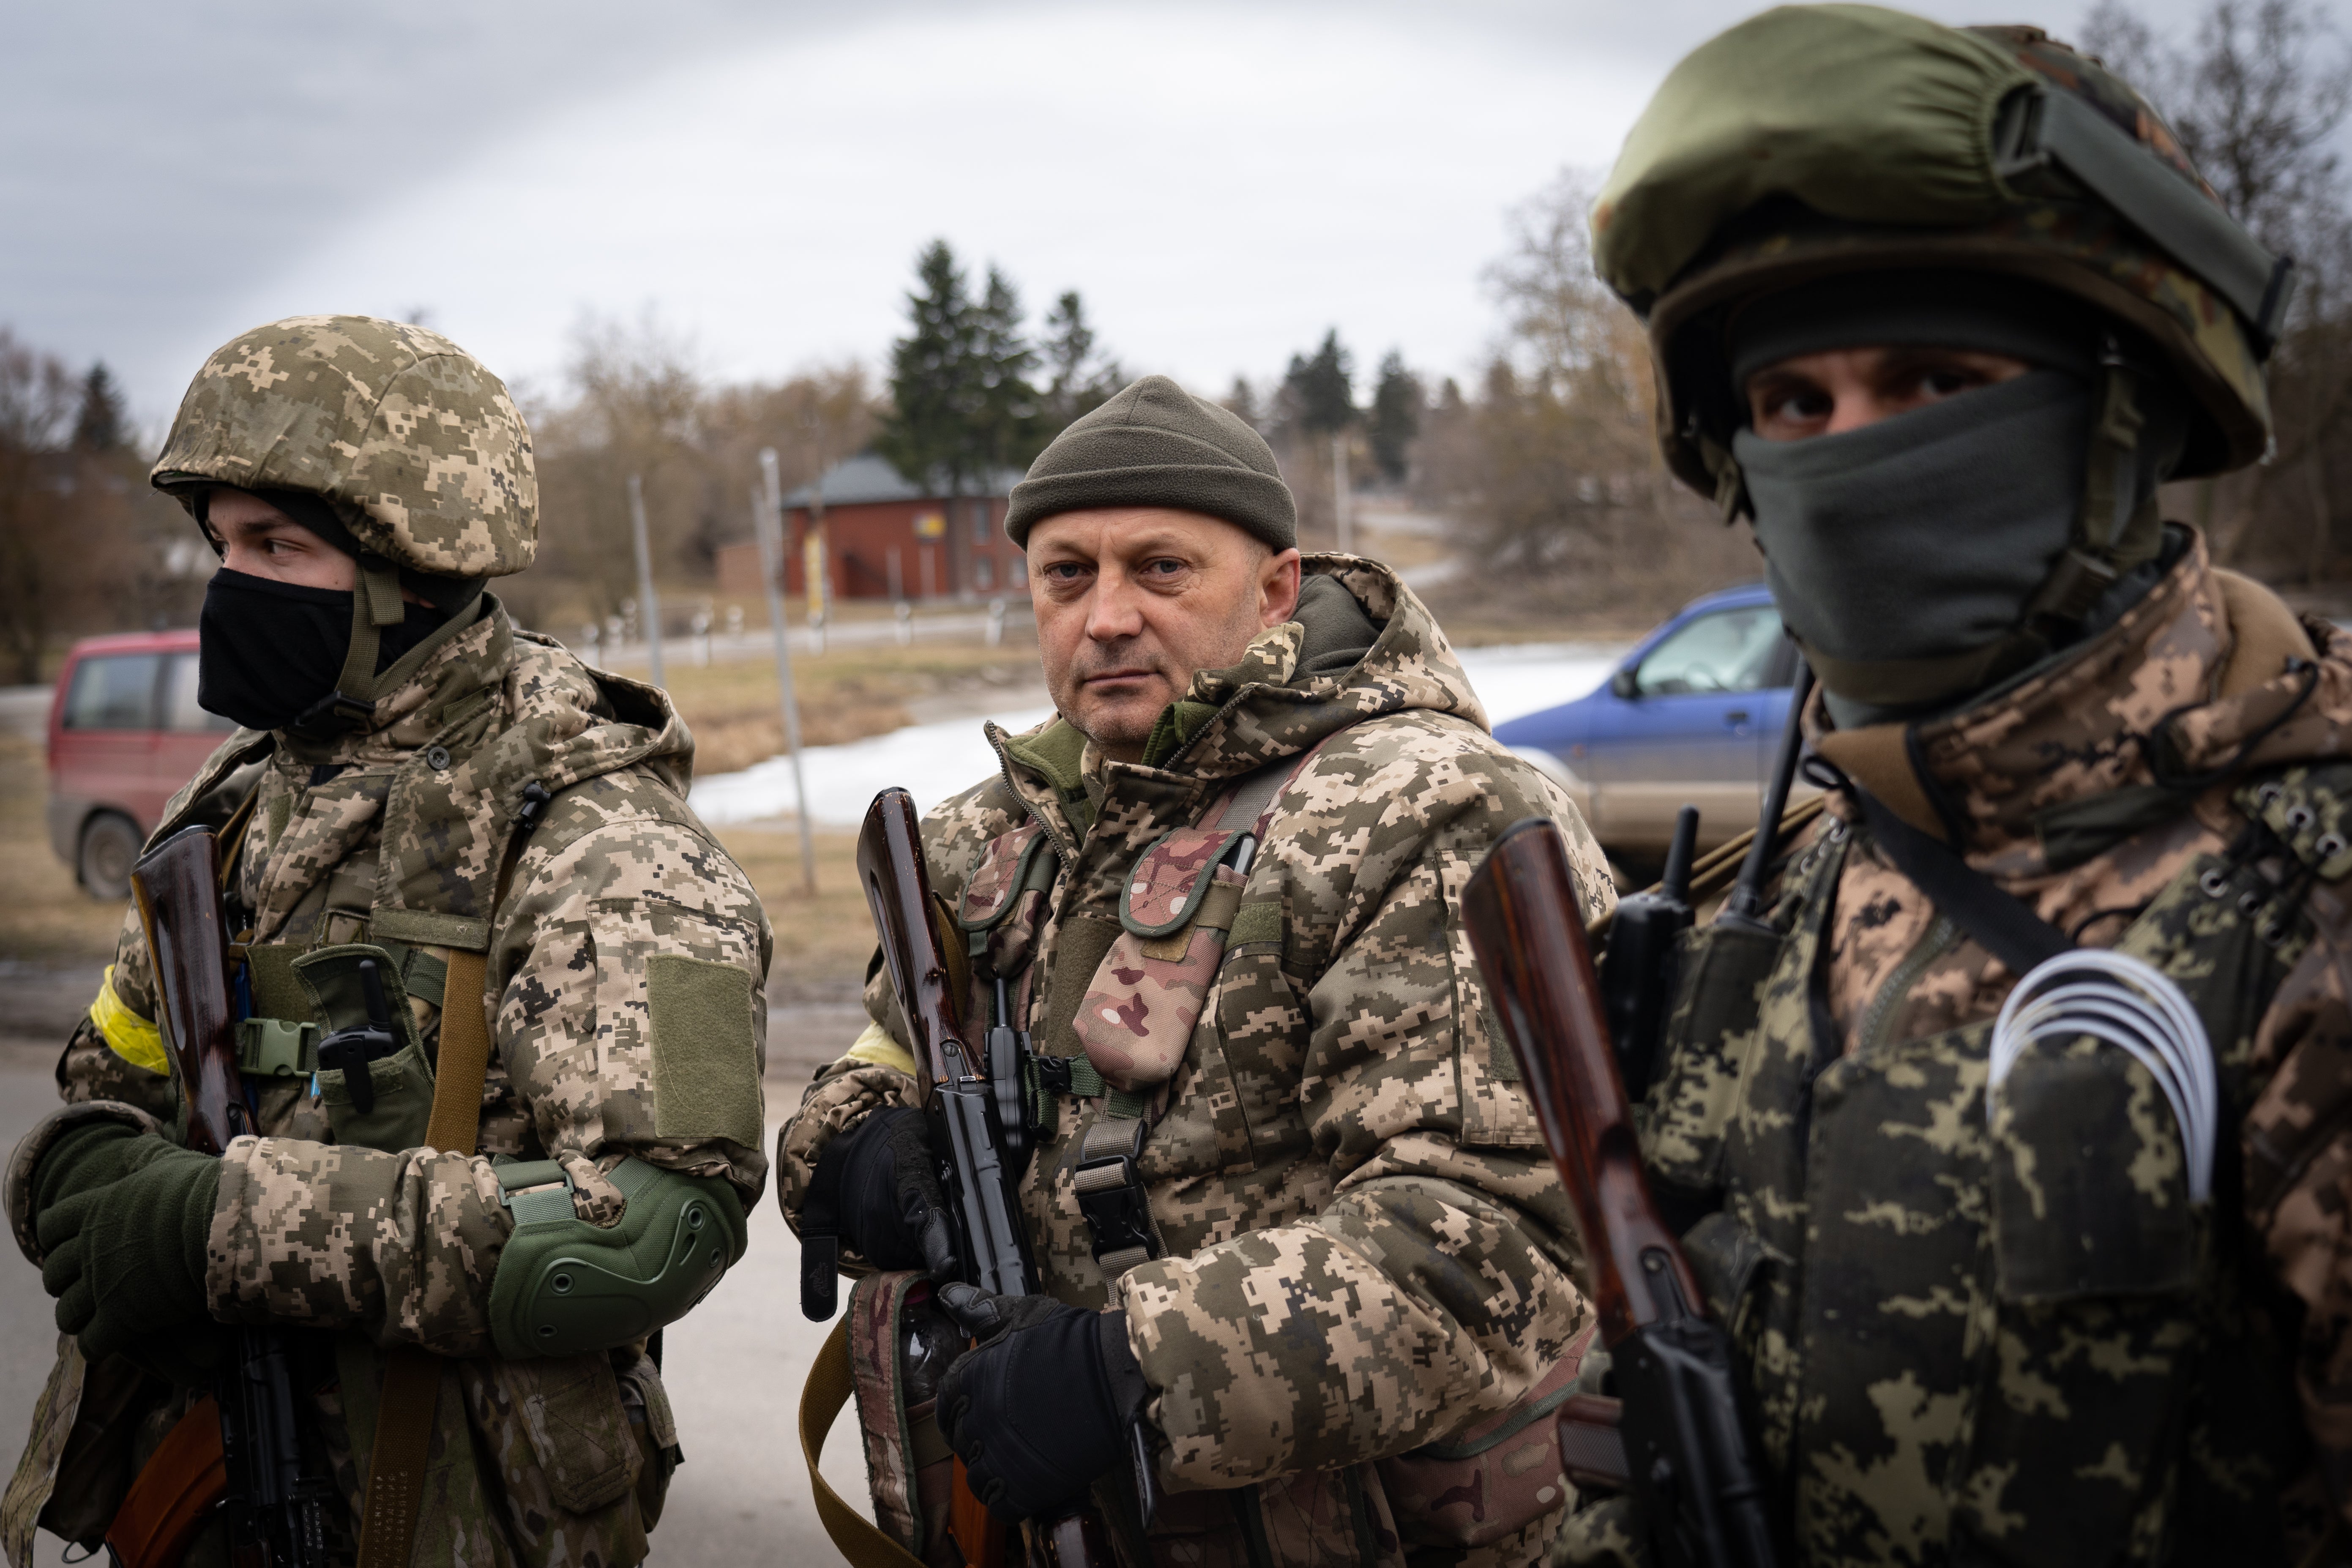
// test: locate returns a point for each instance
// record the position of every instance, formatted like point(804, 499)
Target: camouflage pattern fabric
point(410, 438)
point(1364, 1247)
point(362, 838)
point(1967, 1342)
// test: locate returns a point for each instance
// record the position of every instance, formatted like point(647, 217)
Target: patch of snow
point(934, 760)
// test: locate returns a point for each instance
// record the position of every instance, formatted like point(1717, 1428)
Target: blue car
point(1694, 715)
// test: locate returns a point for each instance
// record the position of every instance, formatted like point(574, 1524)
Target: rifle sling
point(411, 1374)
point(2000, 923)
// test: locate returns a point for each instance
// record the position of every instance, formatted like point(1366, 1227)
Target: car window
point(1729, 651)
point(113, 692)
point(180, 710)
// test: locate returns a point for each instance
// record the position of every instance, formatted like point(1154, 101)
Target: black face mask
point(268, 652)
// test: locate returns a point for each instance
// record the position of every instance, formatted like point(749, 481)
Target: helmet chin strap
point(375, 605)
point(2105, 543)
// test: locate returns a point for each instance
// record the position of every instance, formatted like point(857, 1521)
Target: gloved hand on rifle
point(879, 1189)
point(122, 1217)
point(1043, 1406)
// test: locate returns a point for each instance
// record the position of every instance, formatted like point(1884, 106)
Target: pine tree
point(1322, 390)
point(102, 425)
point(1007, 420)
point(1396, 416)
point(1242, 404)
point(1079, 384)
point(935, 387)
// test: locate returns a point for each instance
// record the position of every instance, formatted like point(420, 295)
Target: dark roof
point(866, 477)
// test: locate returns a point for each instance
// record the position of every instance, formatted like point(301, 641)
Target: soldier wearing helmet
point(500, 836)
point(2011, 1146)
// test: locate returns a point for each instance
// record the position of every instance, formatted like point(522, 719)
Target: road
point(734, 1368)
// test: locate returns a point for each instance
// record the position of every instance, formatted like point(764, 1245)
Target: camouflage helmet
point(1814, 140)
point(410, 441)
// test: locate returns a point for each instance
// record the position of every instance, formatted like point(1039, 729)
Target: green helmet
point(1819, 140)
point(410, 441)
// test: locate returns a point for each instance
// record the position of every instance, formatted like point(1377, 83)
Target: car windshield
point(1728, 650)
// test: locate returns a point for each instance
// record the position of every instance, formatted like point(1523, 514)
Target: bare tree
point(1552, 468)
point(2255, 97)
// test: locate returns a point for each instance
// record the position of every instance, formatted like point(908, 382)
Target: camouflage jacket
point(2013, 1337)
point(1362, 1246)
point(397, 836)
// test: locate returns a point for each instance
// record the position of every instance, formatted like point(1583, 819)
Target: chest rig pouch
point(2014, 1333)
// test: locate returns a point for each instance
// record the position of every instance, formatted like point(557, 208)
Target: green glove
point(123, 1221)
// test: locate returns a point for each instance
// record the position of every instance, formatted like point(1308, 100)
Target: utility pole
point(651, 617)
point(768, 528)
point(1342, 503)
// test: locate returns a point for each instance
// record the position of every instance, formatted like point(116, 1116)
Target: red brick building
point(886, 538)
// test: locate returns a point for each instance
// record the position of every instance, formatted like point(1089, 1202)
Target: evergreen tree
point(1007, 421)
point(1396, 416)
point(1079, 384)
point(1321, 391)
point(1242, 404)
point(102, 425)
point(935, 384)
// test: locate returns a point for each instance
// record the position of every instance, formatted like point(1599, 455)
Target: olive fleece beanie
point(1155, 444)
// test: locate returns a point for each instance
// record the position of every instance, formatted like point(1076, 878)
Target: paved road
point(734, 1367)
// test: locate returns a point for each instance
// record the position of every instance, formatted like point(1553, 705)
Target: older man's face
point(1131, 600)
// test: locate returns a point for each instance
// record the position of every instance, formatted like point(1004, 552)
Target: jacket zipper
point(1932, 944)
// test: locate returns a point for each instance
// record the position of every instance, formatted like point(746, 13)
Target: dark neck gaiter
point(1897, 551)
point(268, 651)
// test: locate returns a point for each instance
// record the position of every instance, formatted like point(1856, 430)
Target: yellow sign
point(931, 525)
point(812, 570)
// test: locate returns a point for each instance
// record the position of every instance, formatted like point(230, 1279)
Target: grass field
point(847, 695)
point(822, 943)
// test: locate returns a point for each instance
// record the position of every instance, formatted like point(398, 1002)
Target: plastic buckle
point(535, 1190)
point(276, 1047)
point(1111, 1197)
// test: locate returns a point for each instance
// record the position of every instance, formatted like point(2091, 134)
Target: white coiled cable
point(2123, 1001)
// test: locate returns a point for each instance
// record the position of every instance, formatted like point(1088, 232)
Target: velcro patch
point(706, 1059)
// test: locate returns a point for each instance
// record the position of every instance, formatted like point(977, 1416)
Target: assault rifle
point(1687, 1455)
point(978, 1126)
point(240, 1450)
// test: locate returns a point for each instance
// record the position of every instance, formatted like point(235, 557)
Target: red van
point(124, 733)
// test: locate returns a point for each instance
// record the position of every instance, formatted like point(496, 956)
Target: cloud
point(1222, 183)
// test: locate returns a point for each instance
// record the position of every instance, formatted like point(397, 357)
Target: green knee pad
point(564, 1287)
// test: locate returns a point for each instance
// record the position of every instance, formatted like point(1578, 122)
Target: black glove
point(1044, 1405)
point(123, 1224)
point(878, 1187)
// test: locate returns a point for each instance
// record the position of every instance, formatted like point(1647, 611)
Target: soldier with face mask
point(501, 836)
point(2011, 1145)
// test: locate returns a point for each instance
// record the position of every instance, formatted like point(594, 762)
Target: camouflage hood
point(1276, 702)
point(442, 768)
point(2208, 678)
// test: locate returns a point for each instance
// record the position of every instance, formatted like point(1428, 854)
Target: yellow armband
point(874, 1045)
point(127, 1034)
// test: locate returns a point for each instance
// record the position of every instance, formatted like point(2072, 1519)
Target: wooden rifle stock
point(1687, 1454)
point(1526, 928)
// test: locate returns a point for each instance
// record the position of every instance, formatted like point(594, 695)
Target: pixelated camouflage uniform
point(1362, 1246)
point(395, 835)
point(1941, 1373)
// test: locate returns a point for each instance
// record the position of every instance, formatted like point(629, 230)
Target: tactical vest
point(598, 1427)
point(2017, 1342)
point(1124, 1009)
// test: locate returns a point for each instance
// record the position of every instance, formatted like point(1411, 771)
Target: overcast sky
point(1222, 183)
